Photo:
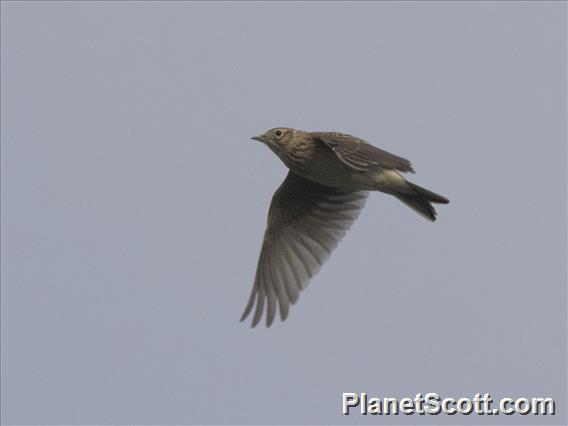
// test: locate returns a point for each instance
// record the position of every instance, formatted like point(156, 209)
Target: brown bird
point(326, 188)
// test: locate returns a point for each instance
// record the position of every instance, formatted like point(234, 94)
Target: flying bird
point(330, 175)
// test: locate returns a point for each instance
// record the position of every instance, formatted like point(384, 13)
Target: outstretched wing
point(305, 222)
point(361, 155)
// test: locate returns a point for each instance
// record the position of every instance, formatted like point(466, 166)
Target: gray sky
point(134, 204)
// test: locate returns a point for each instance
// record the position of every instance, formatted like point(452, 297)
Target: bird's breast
point(322, 166)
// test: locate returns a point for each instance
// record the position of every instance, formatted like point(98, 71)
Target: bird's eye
point(278, 133)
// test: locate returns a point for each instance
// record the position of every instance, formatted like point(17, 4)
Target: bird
point(330, 176)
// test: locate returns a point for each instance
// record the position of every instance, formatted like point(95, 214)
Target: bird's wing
point(361, 155)
point(305, 222)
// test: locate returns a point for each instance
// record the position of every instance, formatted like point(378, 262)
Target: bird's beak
point(260, 138)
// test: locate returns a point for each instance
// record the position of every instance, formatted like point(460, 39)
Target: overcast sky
point(134, 204)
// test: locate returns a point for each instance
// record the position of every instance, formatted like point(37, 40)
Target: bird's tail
point(420, 199)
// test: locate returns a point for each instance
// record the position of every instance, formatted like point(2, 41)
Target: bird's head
point(278, 139)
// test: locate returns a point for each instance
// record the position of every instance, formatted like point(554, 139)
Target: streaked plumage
point(324, 192)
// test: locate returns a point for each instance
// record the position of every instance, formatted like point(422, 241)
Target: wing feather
point(306, 221)
point(361, 155)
